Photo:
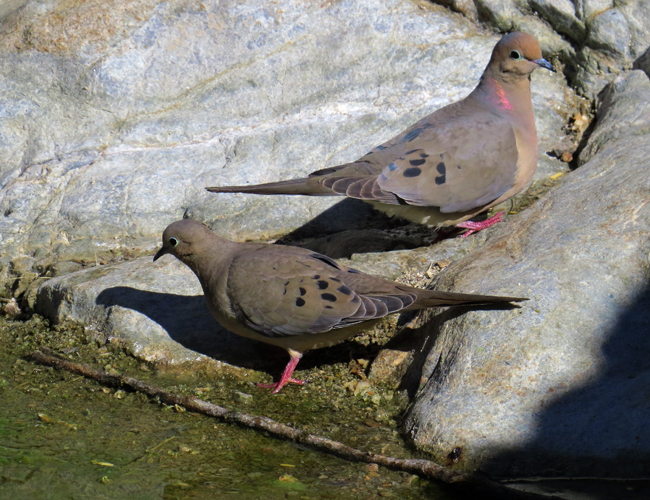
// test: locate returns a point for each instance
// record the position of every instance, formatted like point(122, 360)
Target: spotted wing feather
point(454, 166)
point(295, 292)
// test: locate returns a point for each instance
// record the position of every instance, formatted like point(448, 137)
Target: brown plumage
point(453, 164)
point(293, 297)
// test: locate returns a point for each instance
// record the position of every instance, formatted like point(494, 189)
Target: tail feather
point(433, 298)
point(306, 186)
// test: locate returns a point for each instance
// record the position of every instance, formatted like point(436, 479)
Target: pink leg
point(286, 375)
point(475, 227)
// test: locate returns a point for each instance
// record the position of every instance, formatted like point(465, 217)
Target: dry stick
point(424, 468)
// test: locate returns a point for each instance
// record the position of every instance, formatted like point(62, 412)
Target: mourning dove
point(453, 164)
point(292, 297)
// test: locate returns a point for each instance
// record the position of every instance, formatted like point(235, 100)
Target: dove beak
point(160, 253)
point(543, 63)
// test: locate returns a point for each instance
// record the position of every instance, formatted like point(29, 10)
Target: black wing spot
point(344, 290)
point(413, 171)
point(424, 155)
point(302, 291)
point(326, 260)
point(410, 152)
point(322, 284)
point(442, 170)
point(412, 135)
point(418, 162)
point(329, 307)
point(300, 302)
point(335, 279)
point(315, 276)
point(354, 271)
point(328, 297)
point(380, 148)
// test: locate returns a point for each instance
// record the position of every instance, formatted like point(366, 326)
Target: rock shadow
point(602, 426)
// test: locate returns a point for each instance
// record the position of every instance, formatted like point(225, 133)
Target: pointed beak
point(160, 253)
point(543, 63)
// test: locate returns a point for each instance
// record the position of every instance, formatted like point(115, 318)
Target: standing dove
point(453, 164)
point(292, 297)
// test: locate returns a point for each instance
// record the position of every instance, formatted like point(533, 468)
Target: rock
point(609, 32)
point(118, 115)
point(588, 9)
point(561, 15)
point(242, 397)
point(623, 113)
point(11, 309)
point(130, 302)
point(556, 387)
point(607, 35)
point(389, 367)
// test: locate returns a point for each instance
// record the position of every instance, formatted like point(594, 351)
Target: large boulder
point(560, 386)
point(117, 115)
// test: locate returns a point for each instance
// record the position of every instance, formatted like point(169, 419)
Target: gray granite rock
point(115, 116)
point(561, 15)
point(558, 387)
point(593, 39)
point(609, 32)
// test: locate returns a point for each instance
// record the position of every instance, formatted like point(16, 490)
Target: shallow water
point(63, 436)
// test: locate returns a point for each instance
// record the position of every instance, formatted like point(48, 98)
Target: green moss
point(64, 436)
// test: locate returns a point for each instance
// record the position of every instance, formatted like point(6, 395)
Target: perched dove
point(292, 297)
point(453, 164)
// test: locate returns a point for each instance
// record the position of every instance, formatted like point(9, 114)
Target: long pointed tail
point(306, 186)
point(433, 298)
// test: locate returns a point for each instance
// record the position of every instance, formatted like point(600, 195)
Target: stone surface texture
point(558, 387)
point(594, 39)
point(116, 115)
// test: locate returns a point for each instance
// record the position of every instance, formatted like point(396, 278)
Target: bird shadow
point(353, 226)
point(188, 322)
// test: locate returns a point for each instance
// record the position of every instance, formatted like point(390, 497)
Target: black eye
point(173, 241)
point(516, 55)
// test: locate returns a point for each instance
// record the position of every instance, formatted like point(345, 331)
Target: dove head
point(515, 57)
point(184, 239)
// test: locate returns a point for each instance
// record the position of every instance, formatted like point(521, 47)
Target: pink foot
point(286, 375)
point(475, 227)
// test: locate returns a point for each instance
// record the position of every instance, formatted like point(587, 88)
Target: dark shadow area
point(603, 426)
point(348, 214)
point(354, 226)
point(187, 321)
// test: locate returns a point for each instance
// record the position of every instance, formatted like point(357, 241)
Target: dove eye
point(173, 241)
point(516, 55)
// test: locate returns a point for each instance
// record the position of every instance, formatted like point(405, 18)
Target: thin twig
point(425, 468)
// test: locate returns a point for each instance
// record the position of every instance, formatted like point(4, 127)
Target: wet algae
point(63, 436)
